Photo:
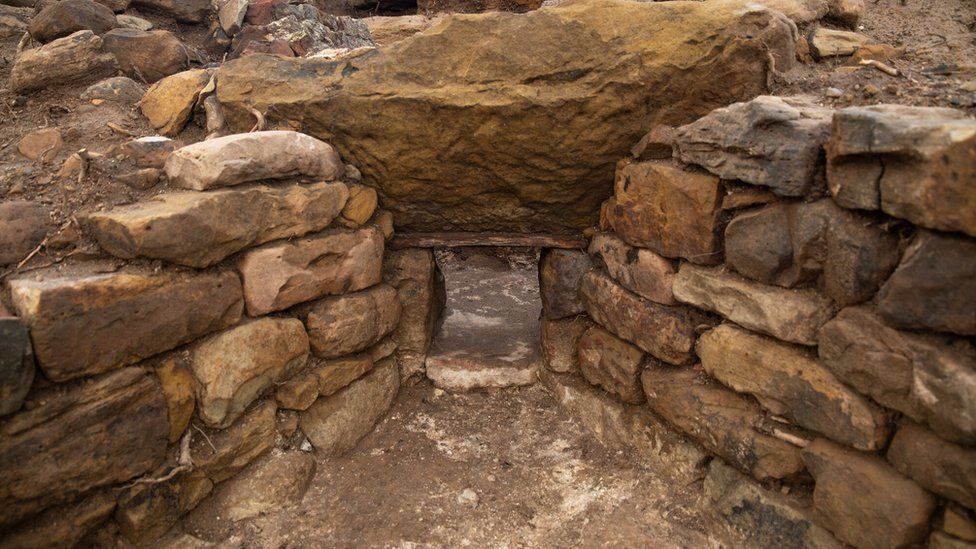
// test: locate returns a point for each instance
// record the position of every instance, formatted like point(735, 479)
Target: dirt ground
point(539, 481)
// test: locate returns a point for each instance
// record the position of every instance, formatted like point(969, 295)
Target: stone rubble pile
point(792, 290)
point(256, 304)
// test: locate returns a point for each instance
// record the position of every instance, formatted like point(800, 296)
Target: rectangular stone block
point(916, 163)
point(721, 421)
point(223, 454)
point(944, 468)
point(420, 288)
point(91, 324)
point(200, 229)
point(929, 378)
point(560, 272)
point(790, 315)
point(350, 323)
point(560, 341)
point(80, 437)
point(612, 364)
point(863, 501)
point(281, 274)
point(674, 212)
point(667, 333)
point(790, 382)
point(641, 271)
point(333, 375)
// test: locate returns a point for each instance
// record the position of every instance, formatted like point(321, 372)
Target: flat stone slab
point(489, 336)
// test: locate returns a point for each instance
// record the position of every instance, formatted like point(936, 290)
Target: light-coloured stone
point(946, 469)
point(790, 315)
point(246, 157)
point(146, 55)
point(639, 270)
point(222, 454)
point(420, 288)
point(387, 30)
point(235, 366)
point(846, 12)
point(612, 364)
point(350, 323)
point(863, 501)
point(298, 393)
point(560, 339)
point(74, 59)
point(179, 386)
point(281, 274)
point(928, 378)
point(333, 375)
point(836, 43)
point(360, 206)
point(169, 103)
point(76, 322)
point(41, 145)
point(200, 229)
point(335, 424)
point(790, 382)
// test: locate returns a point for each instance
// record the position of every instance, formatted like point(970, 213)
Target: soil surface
point(498, 468)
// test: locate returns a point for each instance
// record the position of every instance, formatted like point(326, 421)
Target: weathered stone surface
point(639, 270)
point(790, 315)
point(14, 21)
point(245, 157)
point(333, 375)
point(668, 333)
point(41, 145)
point(742, 195)
point(298, 393)
point(560, 340)
point(62, 526)
point(560, 272)
point(929, 378)
point(721, 420)
point(670, 210)
point(179, 386)
point(943, 467)
point(147, 55)
point(770, 141)
point(235, 366)
point(145, 512)
point(335, 424)
point(669, 55)
point(934, 286)
point(200, 229)
point(231, 14)
point(23, 226)
point(16, 364)
point(92, 434)
point(272, 482)
point(281, 274)
point(652, 442)
point(612, 364)
point(916, 163)
point(756, 517)
point(75, 322)
point(132, 22)
point(387, 30)
point(233, 448)
point(846, 12)
point(941, 540)
point(863, 501)
point(836, 43)
point(73, 59)
point(169, 103)
point(148, 152)
point(117, 88)
point(657, 144)
point(420, 288)
point(360, 206)
point(349, 323)
point(68, 16)
point(184, 11)
point(789, 382)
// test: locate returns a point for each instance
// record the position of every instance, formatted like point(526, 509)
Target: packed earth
point(488, 273)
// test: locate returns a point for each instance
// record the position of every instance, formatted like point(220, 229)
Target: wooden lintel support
point(501, 240)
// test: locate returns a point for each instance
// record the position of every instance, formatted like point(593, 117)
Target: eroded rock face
point(335, 424)
point(672, 211)
point(235, 366)
point(224, 453)
point(789, 382)
point(92, 434)
point(420, 289)
point(943, 467)
point(349, 323)
point(934, 286)
point(560, 272)
point(63, 18)
point(721, 420)
point(930, 379)
point(612, 364)
point(147, 55)
point(75, 322)
point(200, 229)
point(169, 103)
point(490, 160)
point(863, 501)
point(76, 58)
point(63, 526)
point(639, 270)
point(770, 141)
point(916, 163)
point(667, 333)
point(281, 274)
point(560, 339)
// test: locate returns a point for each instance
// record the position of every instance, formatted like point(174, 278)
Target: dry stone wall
point(792, 289)
point(231, 315)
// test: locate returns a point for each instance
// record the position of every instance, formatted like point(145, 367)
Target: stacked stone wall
point(240, 312)
point(785, 295)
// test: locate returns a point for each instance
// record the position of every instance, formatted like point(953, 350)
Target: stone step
point(489, 336)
